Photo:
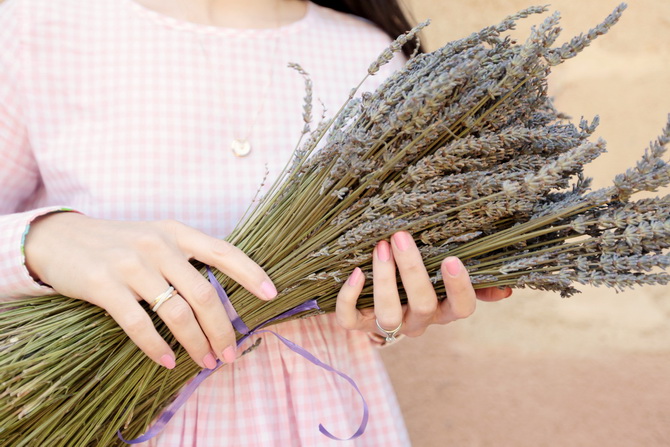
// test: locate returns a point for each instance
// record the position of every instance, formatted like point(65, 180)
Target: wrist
point(40, 235)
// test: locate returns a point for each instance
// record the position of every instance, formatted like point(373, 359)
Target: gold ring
point(163, 297)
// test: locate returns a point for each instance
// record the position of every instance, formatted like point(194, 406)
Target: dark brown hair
point(386, 14)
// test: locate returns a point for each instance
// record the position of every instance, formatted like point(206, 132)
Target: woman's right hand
point(114, 264)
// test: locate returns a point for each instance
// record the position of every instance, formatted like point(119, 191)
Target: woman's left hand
point(422, 308)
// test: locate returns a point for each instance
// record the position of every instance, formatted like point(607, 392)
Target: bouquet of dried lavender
point(462, 147)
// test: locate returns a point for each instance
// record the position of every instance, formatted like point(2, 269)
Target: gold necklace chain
point(241, 145)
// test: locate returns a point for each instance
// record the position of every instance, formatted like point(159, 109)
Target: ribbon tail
point(310, 357)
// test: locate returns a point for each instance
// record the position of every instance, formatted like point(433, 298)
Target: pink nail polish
point(402, 240)
point(269, 290)
point(209, 361)
point(229, 354)
point(383, 251)
point(355, 276)
point(453, 266)
point(168, 361)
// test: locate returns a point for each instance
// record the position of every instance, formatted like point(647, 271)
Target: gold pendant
point(240, 147)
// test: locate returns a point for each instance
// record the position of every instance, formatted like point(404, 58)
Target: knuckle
point(169, 224)
point(224, 337)
point(223, 249)
point(135, 323)
point(414, 267)
point(464, 311)
point(179, 314)
point(424, 309)
point(97, 277)
point(149, 241)
point(128, 265)
point(204, 294)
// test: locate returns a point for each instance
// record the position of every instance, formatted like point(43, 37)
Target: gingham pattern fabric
point(119, 112)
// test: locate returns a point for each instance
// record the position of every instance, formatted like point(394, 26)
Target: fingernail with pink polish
point(355, 276)
point(402, 240)
point(383, 251)
point(229, 354)
point(269, 290)
point(209, 361)
point(453, 266)
point(168, 361)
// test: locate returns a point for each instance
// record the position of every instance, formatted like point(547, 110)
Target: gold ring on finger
point(163, 297)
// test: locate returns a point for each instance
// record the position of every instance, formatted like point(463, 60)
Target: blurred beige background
point(537, 370)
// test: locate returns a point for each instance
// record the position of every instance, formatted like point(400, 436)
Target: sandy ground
point(538, 370)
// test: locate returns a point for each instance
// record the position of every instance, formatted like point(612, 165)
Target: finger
point(180, 319)
point(386, 299)
point(136, 323)
point(207, 306)
point(177, 315)
point(377, 339)
point(461, 298)
point(348, 316)
point(421, 296)
point(228, 259)
point(491, 294)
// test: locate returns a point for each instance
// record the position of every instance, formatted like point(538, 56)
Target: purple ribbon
point(242, 328)
point(235, 319)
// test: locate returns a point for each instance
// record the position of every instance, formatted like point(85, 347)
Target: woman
point(134, 134)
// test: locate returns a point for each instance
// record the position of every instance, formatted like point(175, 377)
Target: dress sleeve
point(19, 173)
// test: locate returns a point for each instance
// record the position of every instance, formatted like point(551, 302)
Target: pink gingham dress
point(115, 111)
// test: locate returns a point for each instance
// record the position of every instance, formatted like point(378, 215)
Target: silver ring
point(390, 335)
point(163, 297)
